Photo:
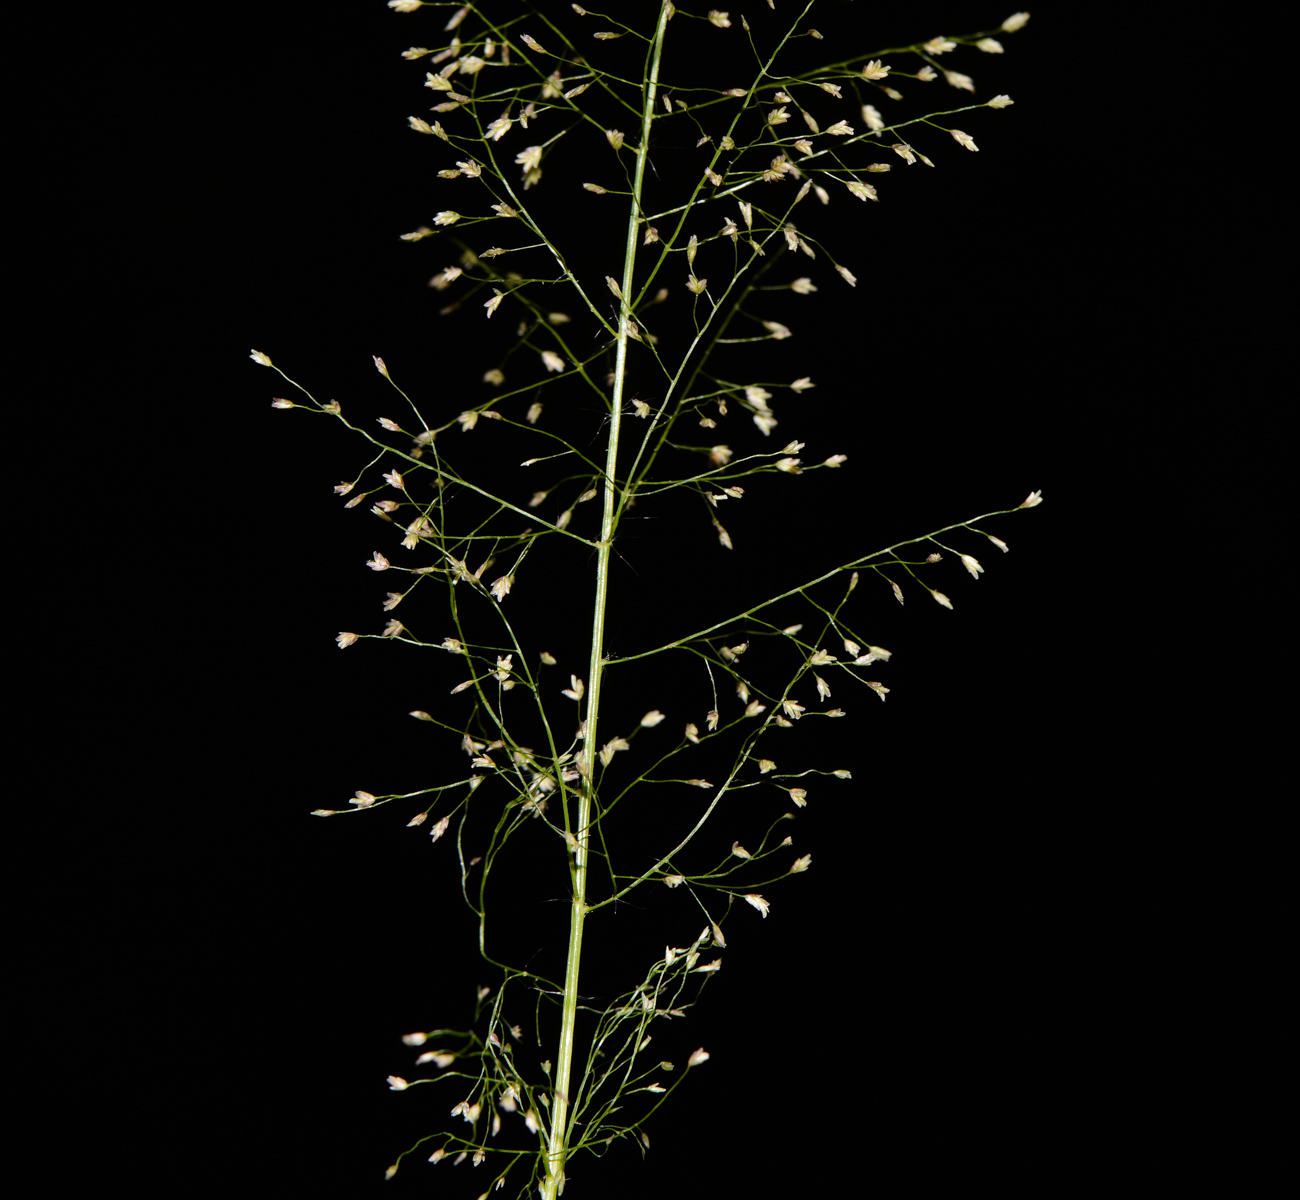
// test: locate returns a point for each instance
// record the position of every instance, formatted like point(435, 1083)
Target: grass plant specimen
point(633, 370)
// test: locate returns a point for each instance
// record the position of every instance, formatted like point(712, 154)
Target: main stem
point(558, 1146)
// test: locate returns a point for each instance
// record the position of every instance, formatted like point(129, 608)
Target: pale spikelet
point(723, 536)
point(874, 70)
point(345, 640)
point(942, 599)
point(720, 19)
point(652, 718)
point(939, 45)
point(531, 44)
point(872, 118)
point(439, 1058)
point(552, 361)
point(610, 748)
point(800, 864)
point(1014, 21)
point(759, 903)
point(799, 796)
point(575, 691)
point(739, 851)
point(1034, 499)
point(879, 688)
point(964, 139)
point(1001, 102)
point(501, 587)
point(848, 276)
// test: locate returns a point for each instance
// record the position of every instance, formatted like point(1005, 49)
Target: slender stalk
point(558, 1148)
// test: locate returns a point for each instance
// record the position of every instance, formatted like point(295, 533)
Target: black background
point(986, 975)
